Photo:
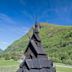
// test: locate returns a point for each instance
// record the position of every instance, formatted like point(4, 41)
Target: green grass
point(8, 63)
point(63, 69)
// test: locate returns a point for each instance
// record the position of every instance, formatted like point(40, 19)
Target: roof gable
point(39, 50)
point(38, 63)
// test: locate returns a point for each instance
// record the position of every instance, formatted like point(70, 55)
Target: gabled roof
point(38, 63)
point(39, 50)
point(36, 37)
point(37, 70)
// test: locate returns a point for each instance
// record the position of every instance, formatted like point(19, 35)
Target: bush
point(7, 57)
point(56, 60)
point(14, 58)
point(0, 56)
point(68, 61)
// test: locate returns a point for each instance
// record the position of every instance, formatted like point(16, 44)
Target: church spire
point(36, 32)
point(36, 27)
point(35, 57)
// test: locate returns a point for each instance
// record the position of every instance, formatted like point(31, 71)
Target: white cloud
point(11, 25)
point(5, 19)
point(3, 45)
point(1, 42)
point(10, 30)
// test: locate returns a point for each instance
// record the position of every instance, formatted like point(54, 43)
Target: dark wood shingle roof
point(39, 63)
point(36, 60)
point(39, 50)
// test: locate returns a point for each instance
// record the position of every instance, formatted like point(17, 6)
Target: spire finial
point(36, 28)
point(36, 19)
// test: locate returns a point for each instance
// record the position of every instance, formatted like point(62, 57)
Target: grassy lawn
point(12, 66)
point(8, 63)
point(63, 69)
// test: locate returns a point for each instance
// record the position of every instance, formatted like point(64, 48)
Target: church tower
point(36, 59)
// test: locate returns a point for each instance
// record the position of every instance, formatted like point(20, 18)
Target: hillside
point(0, 51)
point(57, 42)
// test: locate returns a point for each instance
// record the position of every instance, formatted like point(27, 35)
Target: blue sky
point(18, 16)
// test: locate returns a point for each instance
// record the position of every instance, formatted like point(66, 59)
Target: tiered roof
point(35, 58)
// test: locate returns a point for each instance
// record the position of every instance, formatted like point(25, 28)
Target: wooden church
point(35, 57)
